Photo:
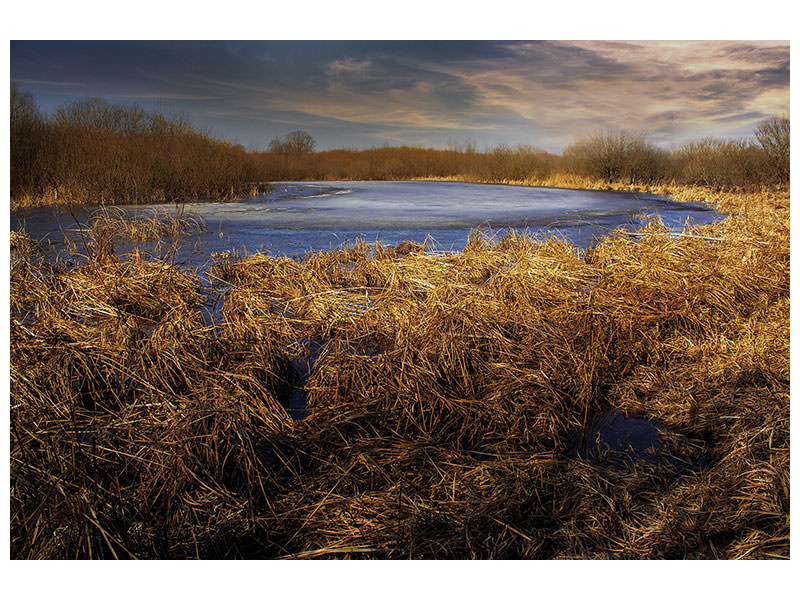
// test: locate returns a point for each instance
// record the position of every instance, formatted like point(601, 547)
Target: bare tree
point(296, 142)
point(299, 142)
point(276, 146)
point(615, 156)
point(773, 135)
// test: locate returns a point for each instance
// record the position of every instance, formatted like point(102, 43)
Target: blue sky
point(365, 94)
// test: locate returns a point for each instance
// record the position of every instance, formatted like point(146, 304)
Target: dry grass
point(150, 225)
point(443, 396)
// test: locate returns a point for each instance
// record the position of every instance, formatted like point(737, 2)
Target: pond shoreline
point(310, 216)
point(555, 181)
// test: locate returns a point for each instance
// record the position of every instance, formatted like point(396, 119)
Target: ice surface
point(296, 217)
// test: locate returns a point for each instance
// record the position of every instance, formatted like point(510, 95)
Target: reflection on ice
point(296, 217)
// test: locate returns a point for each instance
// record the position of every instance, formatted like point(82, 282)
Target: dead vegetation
point(443, 395)
point(148, 226)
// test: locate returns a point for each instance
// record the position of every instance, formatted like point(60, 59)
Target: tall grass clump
point(127, 407)
point(151, 225)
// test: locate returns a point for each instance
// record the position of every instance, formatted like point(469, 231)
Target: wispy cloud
point(49, 83)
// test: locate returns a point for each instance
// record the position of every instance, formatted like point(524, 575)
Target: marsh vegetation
point(377, 401)
point(441, 401)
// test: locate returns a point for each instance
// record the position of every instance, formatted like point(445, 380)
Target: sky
point(350, 94)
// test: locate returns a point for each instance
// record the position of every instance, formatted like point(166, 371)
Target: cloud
point(49, 83)
point(569, 87)
point(349, 69)
point(544, 93)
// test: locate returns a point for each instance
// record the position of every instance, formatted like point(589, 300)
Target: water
point(613, 432)
point(297, 217)
point(615, 439)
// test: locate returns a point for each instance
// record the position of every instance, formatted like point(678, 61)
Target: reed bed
point(444, 394)
point(150, 225)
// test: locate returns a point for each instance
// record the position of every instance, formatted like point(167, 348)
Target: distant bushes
point(27, 162)
point(619, 156)
point(513, 164)
point(723, 163)
point(773, 135)
point(624, 157)
point(404, 162)
point(95, 152)
point(613, 157)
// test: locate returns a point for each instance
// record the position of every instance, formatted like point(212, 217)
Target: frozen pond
point(296, 217)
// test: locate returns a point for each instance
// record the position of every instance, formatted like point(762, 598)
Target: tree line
point(611, 156)
point(92, 151)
